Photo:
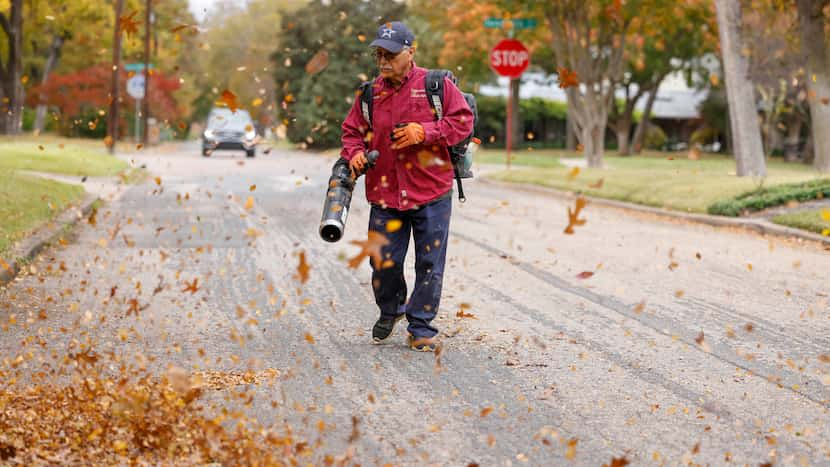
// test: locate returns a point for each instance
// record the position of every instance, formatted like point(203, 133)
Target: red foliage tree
point(82, 97)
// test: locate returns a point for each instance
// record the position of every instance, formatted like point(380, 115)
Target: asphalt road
point(688, 343)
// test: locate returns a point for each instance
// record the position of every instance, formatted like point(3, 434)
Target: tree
point(814, 45)
point(11, 68)
point(676, 35)
point(314, 102)
point(743, 115)
point(589, 39)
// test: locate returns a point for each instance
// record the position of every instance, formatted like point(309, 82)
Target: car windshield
point(225, 119)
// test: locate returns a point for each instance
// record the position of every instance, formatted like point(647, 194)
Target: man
point(410, 187)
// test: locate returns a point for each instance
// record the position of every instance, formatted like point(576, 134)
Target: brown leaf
point(309, 338)
point(570, 453)
point(302, 269)
point(567, 78)
point(584, 275)
point(318, 62)
point(617, 462)
point(699, 338)
point(229, 99)
point(485, 411)
point(640, 307)
point(598, 184)
point(129, 25)
point(191, 287)
point(573, 216)
point(371, 247)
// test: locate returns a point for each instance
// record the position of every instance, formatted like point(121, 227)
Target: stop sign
point(509, 58)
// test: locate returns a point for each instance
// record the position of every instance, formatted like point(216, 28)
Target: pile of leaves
point(106, 419)
point(778, 195)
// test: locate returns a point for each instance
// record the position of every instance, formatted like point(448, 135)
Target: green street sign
point(518, 23)
point(136, 66)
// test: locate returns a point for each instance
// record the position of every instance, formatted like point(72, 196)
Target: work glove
point(357, 164)
point(407, 135)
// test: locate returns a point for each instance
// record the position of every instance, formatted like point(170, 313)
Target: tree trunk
point(145, 104)
point(112, 121)
point(518, 130)
point(51, 61)
point(11, 117)
point(740, 94)
point(792, 140)
point(814, 43)
point(642, 125)
point(593, 142)
point(570, 129)
point(623, 130)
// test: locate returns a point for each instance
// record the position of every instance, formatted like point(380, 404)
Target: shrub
point(655, 137)
point(763, 198)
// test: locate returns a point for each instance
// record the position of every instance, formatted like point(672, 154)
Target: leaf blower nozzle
point(339, 197)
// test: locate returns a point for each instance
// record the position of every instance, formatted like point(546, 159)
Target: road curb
point(761, 226)
point(29, 247)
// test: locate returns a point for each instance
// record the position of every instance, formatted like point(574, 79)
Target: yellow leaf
point(825, 214)
point(249, 204)
point(393, 225)
point(826, 232)
point(309, 338)
point(256, 102)
point(573, 173)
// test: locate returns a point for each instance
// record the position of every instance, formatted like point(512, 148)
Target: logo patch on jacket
point(419, 92)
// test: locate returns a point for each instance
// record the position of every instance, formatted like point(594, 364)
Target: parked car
point(229, 130)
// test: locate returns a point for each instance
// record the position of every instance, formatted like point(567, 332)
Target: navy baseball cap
point(393, 37)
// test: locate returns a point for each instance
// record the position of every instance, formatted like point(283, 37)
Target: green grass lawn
point(806, 220)
point(27, 201)
point(650, 179)
point(59, 155)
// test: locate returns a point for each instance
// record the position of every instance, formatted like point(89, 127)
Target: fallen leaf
point(699, 338)
point(249, 203)
point(570, 452)
point(598, 184)
point(485, 411)
point(640, 307)
point(252, 188)
point(302, 269)
point(573, 173)
point(617, 462)
point(191, 287)
point(825, 214)
point(584, 275)
point(309, 338)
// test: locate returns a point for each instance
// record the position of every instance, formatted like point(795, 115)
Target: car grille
point(229, 134)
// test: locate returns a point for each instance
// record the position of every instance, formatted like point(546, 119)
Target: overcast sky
point(198, 7)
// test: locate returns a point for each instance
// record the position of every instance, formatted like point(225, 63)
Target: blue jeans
point(430, 226)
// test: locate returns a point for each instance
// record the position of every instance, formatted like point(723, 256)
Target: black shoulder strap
point(434, 85)
point(366, 101)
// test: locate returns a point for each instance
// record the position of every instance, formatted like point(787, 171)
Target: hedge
point(763, 198)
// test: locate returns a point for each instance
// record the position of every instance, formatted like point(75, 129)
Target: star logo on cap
point(387, 33)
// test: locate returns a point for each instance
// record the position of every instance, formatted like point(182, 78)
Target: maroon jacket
point(407, 178)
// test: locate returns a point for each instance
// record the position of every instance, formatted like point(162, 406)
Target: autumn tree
point(740, 94)
point(673, 39)
point(589, 39)
point(812, 19)
point(315, 96)
point(11, 69)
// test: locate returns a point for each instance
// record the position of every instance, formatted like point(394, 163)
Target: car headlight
point(208, 134)
point(250, 134)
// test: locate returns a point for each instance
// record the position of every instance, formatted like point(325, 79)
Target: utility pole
point(112, 122)
point(145, 108)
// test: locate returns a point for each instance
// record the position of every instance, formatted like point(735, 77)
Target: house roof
point(673, 103)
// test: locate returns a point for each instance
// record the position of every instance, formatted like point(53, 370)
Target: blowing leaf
point(370, 247)
point(302, 269)
point(229, 99)
point(129, 25)
point(567, 78)
point(573, 216)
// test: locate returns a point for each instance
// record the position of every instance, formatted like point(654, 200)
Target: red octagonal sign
point(509, 58)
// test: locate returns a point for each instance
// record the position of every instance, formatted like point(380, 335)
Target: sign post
point(135, 88)
point(509, 58)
